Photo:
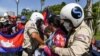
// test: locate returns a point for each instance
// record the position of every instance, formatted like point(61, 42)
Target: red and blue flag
point(11, 43)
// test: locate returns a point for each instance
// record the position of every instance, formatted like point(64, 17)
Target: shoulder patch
point(80, 37)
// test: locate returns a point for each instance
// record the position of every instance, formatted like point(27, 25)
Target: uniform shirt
point(78, 43)
point(29, 29)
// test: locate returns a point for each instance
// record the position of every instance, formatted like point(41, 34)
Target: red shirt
point(20, 26)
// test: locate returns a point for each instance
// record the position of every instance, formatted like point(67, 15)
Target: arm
point(34, 34)
point(37, 37)
point(80, 45)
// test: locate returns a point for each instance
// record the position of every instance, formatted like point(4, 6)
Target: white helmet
point(72, 12)
point(35, 16)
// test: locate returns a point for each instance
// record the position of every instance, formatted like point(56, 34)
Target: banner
point(46, 13)
point(11, 43)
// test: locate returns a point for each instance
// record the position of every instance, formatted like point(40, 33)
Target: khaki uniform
point(78, 43)
point(29, 29)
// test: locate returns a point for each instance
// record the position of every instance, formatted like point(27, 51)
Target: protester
point(6, 27)
point(32, 34)
point(12, 22)
point(13, 19)
point(57, 33)
point(93, 44)
point(20, 24)
point(1, 24)
point(57, 37)
point(95, 47)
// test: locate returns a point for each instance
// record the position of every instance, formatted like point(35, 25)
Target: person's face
point(51, 27)
point(40, 25)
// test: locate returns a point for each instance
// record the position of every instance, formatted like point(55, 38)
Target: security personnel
point(32, 36)
point(72, 16)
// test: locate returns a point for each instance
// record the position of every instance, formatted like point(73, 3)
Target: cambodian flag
point(46, 13)
point(11, 43)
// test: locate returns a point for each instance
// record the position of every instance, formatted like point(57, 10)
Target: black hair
point(55, 20)
point(39, 23)
point(1, 25)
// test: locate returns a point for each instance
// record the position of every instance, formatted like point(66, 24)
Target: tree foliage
point(27, 12)
point(96, 16)
point(56, 8)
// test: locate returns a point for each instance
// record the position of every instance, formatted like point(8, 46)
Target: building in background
point(10, 13)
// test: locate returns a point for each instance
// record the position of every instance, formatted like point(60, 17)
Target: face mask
point(66, 25)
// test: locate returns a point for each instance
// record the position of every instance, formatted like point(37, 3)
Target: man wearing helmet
point(32, 34)
point(80, 35)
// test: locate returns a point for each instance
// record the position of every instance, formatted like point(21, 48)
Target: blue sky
point(10, 5)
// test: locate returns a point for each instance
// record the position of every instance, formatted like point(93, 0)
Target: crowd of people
point(10, 24)
point(64, 35)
